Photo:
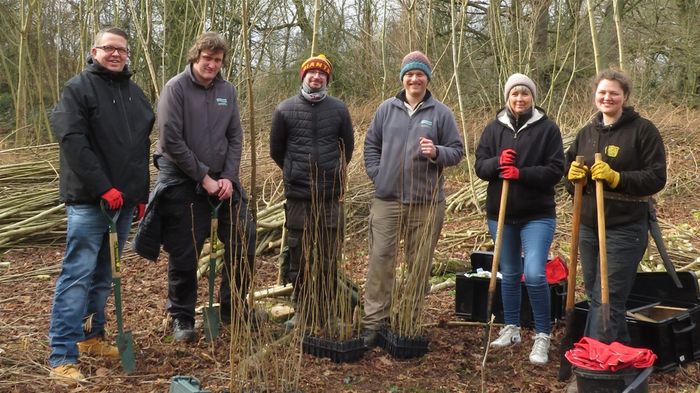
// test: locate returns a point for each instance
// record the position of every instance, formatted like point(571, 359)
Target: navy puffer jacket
point(309, 141)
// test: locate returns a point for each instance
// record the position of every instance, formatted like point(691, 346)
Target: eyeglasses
point(110, 50)
point(316, 73)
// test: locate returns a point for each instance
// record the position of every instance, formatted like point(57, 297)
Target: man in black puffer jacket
point(312, 142)
point(102, 123)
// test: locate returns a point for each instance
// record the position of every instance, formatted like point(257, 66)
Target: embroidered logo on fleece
point(426, 123)
point(221, 101)
point(612, 150)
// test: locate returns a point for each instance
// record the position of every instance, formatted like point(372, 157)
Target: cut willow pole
point(383, 46)
point(25, 18)
point(499, 45)
point(315, 28)
point(594, 36)
point(428, 25)
point(251, 107)
point(145, 44)
point(456, 58)
point(411, 10)
point(618, 31)
point(574, 62)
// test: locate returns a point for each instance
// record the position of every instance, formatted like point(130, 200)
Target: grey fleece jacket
point(200, 127)
point(392, 151)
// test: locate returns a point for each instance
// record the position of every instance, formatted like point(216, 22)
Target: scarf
point(311, 95)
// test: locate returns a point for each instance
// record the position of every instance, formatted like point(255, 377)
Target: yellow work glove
point(577, 171)
point(602, 171)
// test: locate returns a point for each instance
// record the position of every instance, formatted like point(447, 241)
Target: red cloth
point(555, 270)
point(140, 211)
point(594, 355)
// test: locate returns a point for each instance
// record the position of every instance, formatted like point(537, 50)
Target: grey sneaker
point(509, 335)
point(540, 349)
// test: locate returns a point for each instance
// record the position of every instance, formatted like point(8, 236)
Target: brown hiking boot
point(97, 346)
point(67, 373)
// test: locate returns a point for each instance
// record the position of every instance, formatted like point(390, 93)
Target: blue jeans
point(625, 246)
point(85, 281)
point(532, 239)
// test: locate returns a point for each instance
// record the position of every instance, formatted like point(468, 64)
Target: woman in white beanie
point(525, 147)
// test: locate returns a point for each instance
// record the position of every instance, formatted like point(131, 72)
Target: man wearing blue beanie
point(411, 140)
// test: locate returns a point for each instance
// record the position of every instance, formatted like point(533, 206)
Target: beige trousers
point(390, 222)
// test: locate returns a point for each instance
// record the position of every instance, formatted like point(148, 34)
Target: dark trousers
point(625, 246)
point(186, 225)
point(314, 238)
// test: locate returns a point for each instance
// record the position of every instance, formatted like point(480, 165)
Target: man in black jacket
point(102, 122)
point(312, 141)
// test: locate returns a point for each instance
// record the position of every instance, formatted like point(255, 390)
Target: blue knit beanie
point(416, 61)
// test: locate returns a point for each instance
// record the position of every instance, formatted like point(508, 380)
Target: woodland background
point(474, 46)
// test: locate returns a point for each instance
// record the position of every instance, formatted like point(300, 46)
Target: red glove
point(507, 157)
point(140, 211)
point(113, 198)
point(509, 173)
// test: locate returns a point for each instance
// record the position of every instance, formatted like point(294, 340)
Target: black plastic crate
point(338, 351)
point(401, 347)
point(471, 295)
point(661, 317)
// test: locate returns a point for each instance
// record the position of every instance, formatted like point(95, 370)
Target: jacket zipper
point(314, 127)
point(124, 114)
point(405, 192)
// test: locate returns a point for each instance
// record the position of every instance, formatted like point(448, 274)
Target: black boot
point(369, 337)
point(183, 330)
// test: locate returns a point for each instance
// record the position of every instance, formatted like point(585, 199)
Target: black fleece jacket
point(540, 161)
point(103, 122)
point(631, 146)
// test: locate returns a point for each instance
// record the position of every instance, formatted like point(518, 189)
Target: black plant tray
point(402, 347)
point(338, 351)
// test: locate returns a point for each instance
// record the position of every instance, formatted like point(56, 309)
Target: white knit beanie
point(519, 80)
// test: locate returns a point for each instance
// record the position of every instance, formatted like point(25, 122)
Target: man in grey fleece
point(412, 138)
point(199, 154)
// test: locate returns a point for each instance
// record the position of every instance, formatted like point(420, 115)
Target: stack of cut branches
point(30, 213)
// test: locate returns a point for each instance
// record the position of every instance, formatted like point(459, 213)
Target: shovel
point(211, 313)
point(125, 340)
point(602, 250)
point(567, 342)
point(496, 259)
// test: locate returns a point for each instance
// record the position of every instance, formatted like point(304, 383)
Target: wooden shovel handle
point(573, 254)
point(494, 263)
point(602, 250)
point(499, 237)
